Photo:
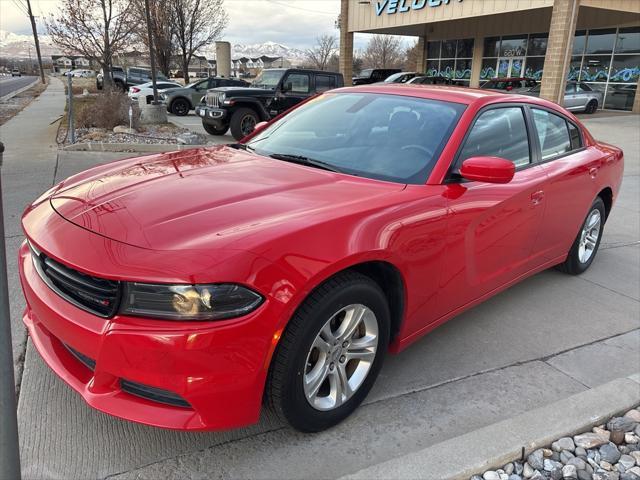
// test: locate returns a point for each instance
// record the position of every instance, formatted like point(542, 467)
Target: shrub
point(109, 109)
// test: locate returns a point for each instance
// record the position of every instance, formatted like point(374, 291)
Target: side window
point(552, 133)
point(325, 82)
point(299, 82)
point(499, 132)
point(574, 134)
point(570, 88)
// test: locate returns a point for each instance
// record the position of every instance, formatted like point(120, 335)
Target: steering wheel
point(419, 147)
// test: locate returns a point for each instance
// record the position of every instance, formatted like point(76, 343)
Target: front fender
point(254, 103)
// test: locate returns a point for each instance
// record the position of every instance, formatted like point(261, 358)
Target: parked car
point(81, 73)
point(16, 73)
point(125, 78)
point(181, 290)
point(423, 80)
point(273, 91)
point(578, 96)
point(400, 77)
point(373, 75)
point(146, 89)
point(180, 100)
point(513, 85)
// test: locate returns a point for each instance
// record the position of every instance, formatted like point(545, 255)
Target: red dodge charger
point(183, 289)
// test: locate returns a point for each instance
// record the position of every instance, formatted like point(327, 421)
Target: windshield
point(385, 137)
point(268, 79)
point(366, 73)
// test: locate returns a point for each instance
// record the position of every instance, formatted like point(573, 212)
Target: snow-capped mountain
point(15, 45)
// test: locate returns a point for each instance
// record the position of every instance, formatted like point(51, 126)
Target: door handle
point(537, 197)
point(593, 171)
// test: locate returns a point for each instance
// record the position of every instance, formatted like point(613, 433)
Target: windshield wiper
point(302, 160)
point(241, 146)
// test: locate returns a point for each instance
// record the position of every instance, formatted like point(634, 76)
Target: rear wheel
point(243, 121)
point(330, 353)
point(585, 247)
point(180, 107)
point(213, 129)
point(592, 106)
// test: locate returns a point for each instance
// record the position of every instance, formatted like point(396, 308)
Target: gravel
point(167, 134)
point(607, 452)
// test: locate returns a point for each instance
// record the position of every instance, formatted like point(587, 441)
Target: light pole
point(9, 446)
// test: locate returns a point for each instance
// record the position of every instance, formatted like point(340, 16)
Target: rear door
point(200, 89)
point(571, 100)
point(493, 227)
point(571, 187)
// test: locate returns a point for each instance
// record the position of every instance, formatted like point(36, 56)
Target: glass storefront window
point(595, 68)
point(463, 69)
point(574, 68)
point(620, 97)
point(513, 46)
point(488, 69)
point(579, 42)
point(448, 49)
point(538, 44)
point(491, 46)
point(447, 68)
point(533, 67)
point(433, 49)
point(465, 48)
point(601, 41)
point(628, 40)
point(625, 69)
point(433, 68)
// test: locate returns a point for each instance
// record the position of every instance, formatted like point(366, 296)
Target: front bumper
point(217, 368)
point(211, 113)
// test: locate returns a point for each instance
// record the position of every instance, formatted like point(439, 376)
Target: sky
point(294, 23)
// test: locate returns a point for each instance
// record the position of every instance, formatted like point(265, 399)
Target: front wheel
point(212, 129)
point(330, 354)
point(180, 107)
point(243, 121)
point(592, 106)
point(585, 247)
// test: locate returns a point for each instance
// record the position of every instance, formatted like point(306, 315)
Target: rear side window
point(499, 132)
point(574, 135)
point(553, 133)
point(325, 82)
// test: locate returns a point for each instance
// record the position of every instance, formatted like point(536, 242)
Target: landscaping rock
point(627, 461)
point(631, 438)
point(609, 453)
point(589, 440)
point(527, 471)
point(491, 475)
point(633, 415)
point(122, 129)
point(550, 465)
point(536, 460)
point(565, 456)
point(564, 443)
point(579, 463)
point(569, 471)
point(625, 424)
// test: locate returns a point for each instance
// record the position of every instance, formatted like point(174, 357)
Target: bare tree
point(383, 51)
point(95, 28)
point(320, 56)
point(196, 24)
point(411, 55)
point(164, 46)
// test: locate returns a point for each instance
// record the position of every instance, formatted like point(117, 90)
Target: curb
point(20, 90)
point(129, 147)
point(498, 444)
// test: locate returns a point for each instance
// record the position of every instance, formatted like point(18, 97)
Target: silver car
point(578, 96)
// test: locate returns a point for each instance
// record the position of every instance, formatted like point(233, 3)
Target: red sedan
point(182, 289)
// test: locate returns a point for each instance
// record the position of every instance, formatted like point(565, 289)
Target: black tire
point(285, 391)
point(121, 86)
point(592, 107)
point(243, 121)
point(149, 99)
point(212, 129)
point(573, 265)
point(180, 107)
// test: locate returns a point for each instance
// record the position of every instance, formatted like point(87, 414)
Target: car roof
point(447, 93)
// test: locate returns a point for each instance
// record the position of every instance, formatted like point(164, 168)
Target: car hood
point(204, 197)
point(244, 91)
point(173, 90)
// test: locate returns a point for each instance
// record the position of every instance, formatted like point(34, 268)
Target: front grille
point(154, 394)
point(212, 100)
point(95, 295)
point(86, 361)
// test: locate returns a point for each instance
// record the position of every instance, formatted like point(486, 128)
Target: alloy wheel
point(589, 236)
point(247, 124)
point(340, 357)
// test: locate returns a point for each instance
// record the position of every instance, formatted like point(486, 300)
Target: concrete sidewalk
point(539, 342)
point(28, 170)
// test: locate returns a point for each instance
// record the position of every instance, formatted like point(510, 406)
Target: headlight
point(163, 96)
point(188, 302)
point(221, 97)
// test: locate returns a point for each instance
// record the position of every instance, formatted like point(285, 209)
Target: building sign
point(400, 6)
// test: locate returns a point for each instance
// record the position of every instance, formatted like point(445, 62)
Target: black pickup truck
point(272, 92)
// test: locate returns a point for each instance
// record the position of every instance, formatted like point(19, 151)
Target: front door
point(511, 67)
point(492, 227)
point(295, 87)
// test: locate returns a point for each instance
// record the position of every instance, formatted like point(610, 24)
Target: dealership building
point(592, 41)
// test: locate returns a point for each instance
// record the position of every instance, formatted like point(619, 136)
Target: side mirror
point(259, 127)
point(488, 169)
point(287, 87)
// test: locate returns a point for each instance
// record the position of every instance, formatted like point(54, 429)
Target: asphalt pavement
point(540, 341)
point(11, 84)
